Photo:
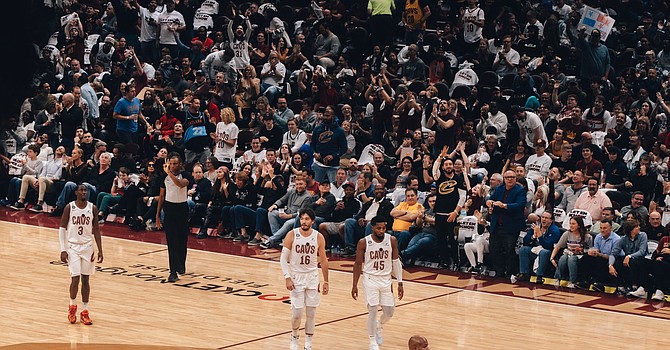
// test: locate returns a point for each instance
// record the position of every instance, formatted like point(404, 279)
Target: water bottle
point(464, 213)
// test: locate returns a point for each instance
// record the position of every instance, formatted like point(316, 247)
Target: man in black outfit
point(450, 199)
point(172, 199)
point(70, 117)
point(270, 135)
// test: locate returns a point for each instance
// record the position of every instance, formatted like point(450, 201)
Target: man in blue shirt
point(126, 112)
point(598, 256)
point(595, 58)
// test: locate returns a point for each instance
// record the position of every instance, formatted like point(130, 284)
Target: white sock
point(308, 339)
point(85, 306)
point(295, 333)
point(372, 339)
point(73, 302)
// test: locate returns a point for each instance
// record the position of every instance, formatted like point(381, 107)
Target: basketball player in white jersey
point(78, 227)
point(304, 248)
point(376, 257)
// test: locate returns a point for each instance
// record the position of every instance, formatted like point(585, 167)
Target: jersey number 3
point(80, 230)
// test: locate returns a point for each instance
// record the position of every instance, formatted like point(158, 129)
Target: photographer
point(300, 79)
point(409, 110)
point(491, 119)
point(379, 95)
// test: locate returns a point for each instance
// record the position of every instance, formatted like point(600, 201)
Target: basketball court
point(239, 301)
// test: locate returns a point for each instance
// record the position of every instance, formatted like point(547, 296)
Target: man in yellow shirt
point(414, 18)
point(404, 216)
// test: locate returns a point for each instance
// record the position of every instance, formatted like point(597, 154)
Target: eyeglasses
point(150, 164)
point(510, 177)
point(507, 41)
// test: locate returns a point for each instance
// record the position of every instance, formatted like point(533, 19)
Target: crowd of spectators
point(344, 106)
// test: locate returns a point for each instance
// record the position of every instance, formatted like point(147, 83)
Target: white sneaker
point(374, 346)
point(512, 279)
point(378, 336)
point(640, 293)
point(294, 343)
point(571, 285)
point(308, 346)
point(557, 283)
point(658, 295)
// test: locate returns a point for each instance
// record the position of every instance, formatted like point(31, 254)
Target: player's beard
point(305, 227)
point(449, 171)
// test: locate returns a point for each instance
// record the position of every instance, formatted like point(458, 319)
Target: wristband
point(62, 240)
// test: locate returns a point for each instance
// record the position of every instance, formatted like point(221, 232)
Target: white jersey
point(104, 58)
point(225, 132)
point(296, 141)
point(304, 258)
point(472, 33)
point(378, 256)
point(241, 48)
point(80, 225)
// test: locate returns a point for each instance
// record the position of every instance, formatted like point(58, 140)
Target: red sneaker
point(84, 318)
point(72, 314)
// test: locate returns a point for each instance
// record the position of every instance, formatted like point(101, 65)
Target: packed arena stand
point(427, 112)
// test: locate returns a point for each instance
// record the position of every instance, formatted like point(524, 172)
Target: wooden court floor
point(233, 302)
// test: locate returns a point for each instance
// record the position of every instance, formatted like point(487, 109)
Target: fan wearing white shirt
point(226, 138)
point(294, 137)
point(539, 163)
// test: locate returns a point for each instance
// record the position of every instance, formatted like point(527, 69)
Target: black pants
point(446, 239)
point(597, 270)
point(661, 273)
point(149, 213)
point(212, 217)
point(129, 200)
point(503, 256)
point(380, 26)
point(176, 233)
point(635, 274)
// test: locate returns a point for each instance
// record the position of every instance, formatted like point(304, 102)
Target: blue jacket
point(547, 240)
point(512, 217)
